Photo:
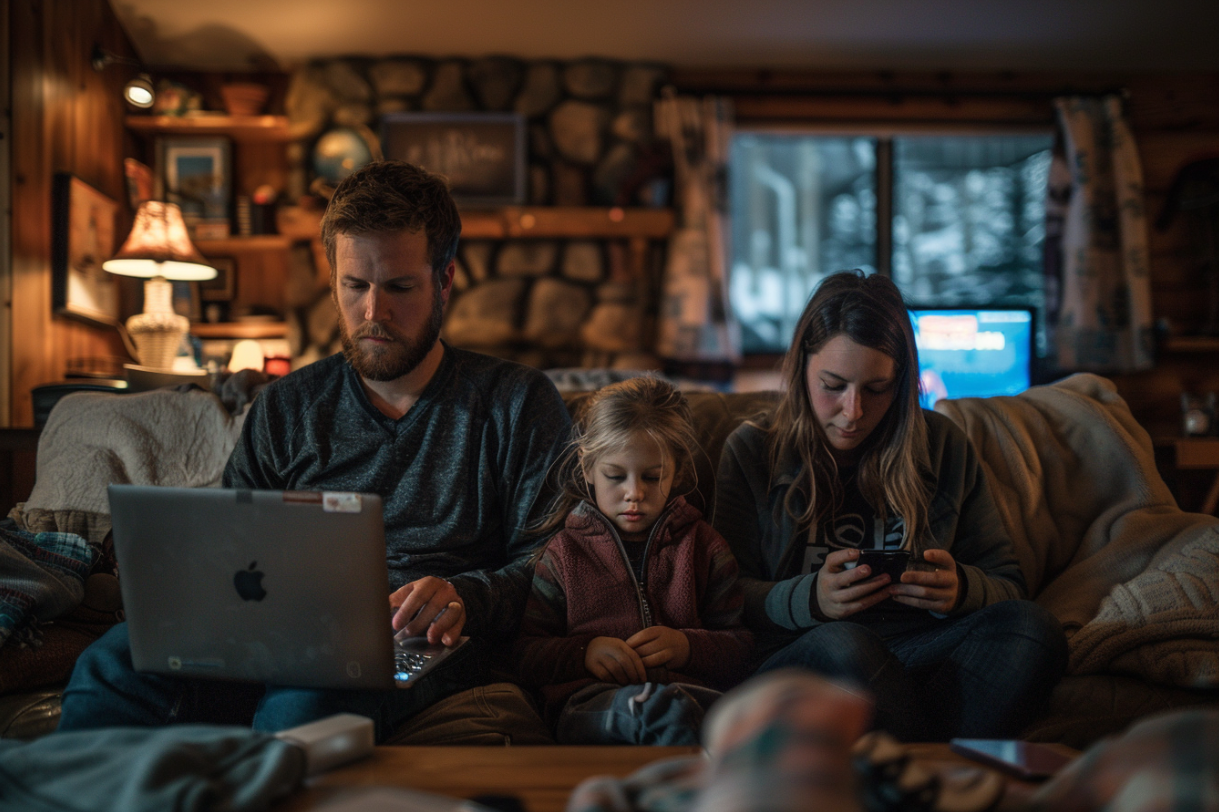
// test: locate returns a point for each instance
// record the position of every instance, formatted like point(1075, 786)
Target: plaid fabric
point(1165, 762)
point(783, 745)
point(42, 575)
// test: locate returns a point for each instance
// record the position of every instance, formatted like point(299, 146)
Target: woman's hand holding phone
point(937, 590)
point(842, 592)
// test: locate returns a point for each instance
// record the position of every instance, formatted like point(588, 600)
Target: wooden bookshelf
point(239, 128)
point(1191, 344)
point(240, 329)
point(231, 245)
point(540, 222)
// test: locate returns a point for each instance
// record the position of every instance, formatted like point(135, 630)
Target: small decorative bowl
point(244, 98)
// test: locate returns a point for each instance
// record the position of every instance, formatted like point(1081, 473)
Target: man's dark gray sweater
point(462, 475)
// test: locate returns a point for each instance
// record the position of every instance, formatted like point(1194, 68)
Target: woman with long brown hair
point(823, 499)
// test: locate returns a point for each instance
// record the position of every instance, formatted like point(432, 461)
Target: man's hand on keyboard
point(430, 604)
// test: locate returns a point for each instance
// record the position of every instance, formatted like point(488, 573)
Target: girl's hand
point(660, 646)
point(842, 592)
point(612, 660)
point(935, 591)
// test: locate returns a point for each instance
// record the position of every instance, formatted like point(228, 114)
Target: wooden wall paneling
point(31, 220)
point(6, 253)
point(67, 118)
point(898, 109)
point(1173, 101)
point(258, 163)
point(1173, 238)
point(262, 278)
point(795, 82)
point(1163, 153)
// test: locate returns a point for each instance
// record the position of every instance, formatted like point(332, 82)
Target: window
point(955, 220)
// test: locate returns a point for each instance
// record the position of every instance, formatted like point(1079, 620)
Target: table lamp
point(159, 250)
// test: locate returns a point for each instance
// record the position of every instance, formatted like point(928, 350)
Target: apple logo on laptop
point(249, 583)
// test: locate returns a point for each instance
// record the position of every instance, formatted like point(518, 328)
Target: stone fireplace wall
point(547, 302)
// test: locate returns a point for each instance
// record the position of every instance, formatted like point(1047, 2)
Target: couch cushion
point(30, 714)
point(1083, 709)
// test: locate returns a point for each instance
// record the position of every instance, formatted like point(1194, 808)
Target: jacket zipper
point(645, 610)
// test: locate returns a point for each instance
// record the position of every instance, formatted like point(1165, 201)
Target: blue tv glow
point(972, 352)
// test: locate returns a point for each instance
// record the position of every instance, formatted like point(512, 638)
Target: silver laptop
point(278, 587)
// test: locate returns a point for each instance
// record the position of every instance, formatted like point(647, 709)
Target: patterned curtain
point(1098, 292)
point(695, 322)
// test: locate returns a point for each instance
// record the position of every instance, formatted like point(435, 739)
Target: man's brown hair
point(386, 197)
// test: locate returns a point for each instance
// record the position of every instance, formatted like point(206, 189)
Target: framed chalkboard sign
point(481, 154)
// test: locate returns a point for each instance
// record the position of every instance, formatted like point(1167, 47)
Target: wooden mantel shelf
point(239, 128)
point(566, 222)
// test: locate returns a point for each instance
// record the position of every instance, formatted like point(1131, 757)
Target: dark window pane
point(802, 207)
point(969, 218)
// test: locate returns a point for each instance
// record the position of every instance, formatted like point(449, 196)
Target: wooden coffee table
point(541, 777)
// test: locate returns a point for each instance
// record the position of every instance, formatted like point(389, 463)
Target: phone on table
point(1030, 761)
point(891, 562)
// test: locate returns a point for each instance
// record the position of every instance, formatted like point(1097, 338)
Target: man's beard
point(392, 361)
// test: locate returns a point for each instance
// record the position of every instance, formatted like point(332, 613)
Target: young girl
point(633, 625)
point(847, 462)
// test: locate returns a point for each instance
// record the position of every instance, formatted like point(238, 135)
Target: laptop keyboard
point(410, 663)
point(415, 656)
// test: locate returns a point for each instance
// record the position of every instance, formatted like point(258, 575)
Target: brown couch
point(1099, 537)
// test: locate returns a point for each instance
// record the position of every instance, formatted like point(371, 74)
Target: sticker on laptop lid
point(341, 502)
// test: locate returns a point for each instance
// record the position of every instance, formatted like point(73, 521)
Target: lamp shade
point(159, 249)
point(158, 245)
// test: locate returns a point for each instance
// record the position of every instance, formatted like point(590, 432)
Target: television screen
point(972, 352)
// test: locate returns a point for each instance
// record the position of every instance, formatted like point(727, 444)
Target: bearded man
point(458, 446)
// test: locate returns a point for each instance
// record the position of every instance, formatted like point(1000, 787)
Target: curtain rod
point(900, 93)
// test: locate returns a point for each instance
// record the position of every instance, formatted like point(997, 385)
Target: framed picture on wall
point(82, 238)
point(224, 287)
point(481, 154)
point(196, 173)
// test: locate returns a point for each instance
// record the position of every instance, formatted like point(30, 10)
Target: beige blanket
point(92, 439)
point(1101, 541)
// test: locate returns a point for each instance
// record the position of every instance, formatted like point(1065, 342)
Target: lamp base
point(158, 331)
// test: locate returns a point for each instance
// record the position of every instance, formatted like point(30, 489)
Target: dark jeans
point(106, 691)
point(987, 674)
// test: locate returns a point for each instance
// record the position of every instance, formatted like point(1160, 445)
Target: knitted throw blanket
point(1100, 538)
point(162, 437)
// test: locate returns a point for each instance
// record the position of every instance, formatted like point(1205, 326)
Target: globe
point(338, 153)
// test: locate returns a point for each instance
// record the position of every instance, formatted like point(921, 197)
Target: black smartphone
point(891, 562)
point(1030, 761)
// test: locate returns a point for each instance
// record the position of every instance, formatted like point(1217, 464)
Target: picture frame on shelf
point(139, 182)
point(196, 173)
point(83, 231)
point(224, 287)
point(187, 301)
point(483, 155)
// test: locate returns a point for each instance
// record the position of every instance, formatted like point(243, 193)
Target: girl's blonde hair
point(606, 421)
point(868, 310)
